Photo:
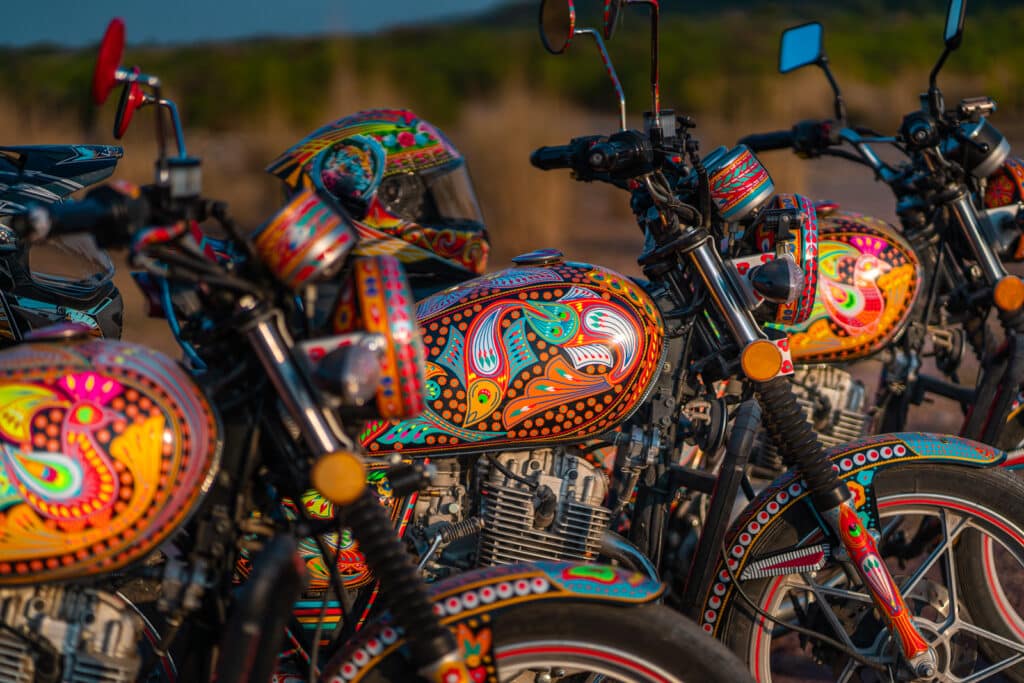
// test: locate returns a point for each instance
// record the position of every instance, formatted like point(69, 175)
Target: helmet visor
point(453, 196)
point(436, 197)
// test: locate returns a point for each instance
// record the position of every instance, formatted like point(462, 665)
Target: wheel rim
point(951, 634)
point(517, 660)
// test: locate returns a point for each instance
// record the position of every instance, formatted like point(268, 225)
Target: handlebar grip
point(611, 156)
point(105, 213)
point(550, 158)
point(761, 142)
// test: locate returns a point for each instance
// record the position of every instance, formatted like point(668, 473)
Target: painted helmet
point(405, 186)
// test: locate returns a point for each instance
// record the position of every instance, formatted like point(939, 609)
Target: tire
point(990, 503)
point(635, 644)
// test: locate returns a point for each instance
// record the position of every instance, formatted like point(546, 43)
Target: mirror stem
point(655, 74)
point(606, 58)
point(162, 174)
point(934, 94)
point(840, 103)
point(655, 77)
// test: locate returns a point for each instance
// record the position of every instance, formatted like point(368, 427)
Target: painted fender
point(467, 603)
point(857, 462)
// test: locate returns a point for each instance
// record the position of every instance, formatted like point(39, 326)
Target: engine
point(56, 633)
point(833, 400)
point(529, 505)
point(540, 505)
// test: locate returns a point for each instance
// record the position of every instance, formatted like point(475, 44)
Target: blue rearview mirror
point(802, 45)
point(954, 23)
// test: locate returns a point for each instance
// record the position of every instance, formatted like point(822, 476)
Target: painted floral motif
point(868, 280)
point(545, 354)
point(104, 449)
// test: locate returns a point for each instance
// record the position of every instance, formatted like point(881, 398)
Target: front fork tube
point(863, 553)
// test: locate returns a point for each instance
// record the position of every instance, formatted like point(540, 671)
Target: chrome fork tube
point(728, 301)
point(273, 345)
point(987, 259)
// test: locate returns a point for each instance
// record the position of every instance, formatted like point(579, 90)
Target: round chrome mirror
point(557, 24)
point(612, 16)
point(104, 77)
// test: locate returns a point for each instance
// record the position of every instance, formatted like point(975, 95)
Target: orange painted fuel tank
point(868, 281)
point(535, 355)
point(106, 448)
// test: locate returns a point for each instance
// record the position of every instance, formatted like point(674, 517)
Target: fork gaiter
point(797, 443)
point(401, 587)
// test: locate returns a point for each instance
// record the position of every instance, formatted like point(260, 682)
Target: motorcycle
point(125, 475)
point(534, 366)
point(84, 292)
point(890, 294)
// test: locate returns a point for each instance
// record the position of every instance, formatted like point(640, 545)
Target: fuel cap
point(541, 257)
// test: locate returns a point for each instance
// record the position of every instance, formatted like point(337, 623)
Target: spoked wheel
point(582, 643)
point(934, 519)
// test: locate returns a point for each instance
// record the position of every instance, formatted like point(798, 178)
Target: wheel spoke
point(844, 593)
point(909, 584)
point(993, 669)
point(954, 601)
point(833, 620)
point(976, 630)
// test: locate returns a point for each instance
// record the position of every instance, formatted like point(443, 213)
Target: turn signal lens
point(761, 360)
point(340, 477)
point(1009, 293)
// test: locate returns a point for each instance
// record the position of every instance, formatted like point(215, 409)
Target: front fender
point(466, 603)
point(856, 462)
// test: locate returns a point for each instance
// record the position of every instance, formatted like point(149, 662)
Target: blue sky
point(81, 22)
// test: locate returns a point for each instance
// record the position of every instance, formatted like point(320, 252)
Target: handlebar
point(550, 158)
point(763, 142)
point(625, 154)
point(105, 213)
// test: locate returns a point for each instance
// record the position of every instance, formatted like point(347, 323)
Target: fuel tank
point(542, 353)
point(106, 448)
point(868, 281)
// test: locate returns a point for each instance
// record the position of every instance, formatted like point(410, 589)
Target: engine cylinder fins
point(510, 508)
point(93, 635)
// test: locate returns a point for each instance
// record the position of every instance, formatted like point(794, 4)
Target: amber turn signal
point(340, 477)
point(761, 360)
point(1009, 293)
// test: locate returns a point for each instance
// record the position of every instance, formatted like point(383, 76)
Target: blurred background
point(252, 77)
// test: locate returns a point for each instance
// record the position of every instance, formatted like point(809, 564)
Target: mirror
point(955, 22)
point(612, 15)
point(801, 45)
point(131, 99)
point(557, 23)
point(104, 77)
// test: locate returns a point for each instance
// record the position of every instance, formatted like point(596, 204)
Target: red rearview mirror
point(104, 78)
